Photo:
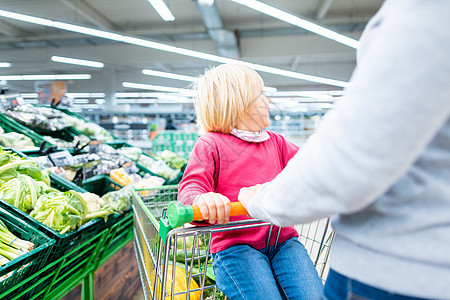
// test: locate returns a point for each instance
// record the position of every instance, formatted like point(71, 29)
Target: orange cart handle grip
point(237, 209)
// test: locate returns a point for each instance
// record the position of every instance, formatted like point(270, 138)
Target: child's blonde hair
point(223, 96)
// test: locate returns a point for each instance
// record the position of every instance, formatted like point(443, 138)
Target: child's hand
point(214, 206)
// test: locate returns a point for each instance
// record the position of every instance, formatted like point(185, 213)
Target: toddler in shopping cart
point(234, 152)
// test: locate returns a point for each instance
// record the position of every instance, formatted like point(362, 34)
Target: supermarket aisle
point(139, 295)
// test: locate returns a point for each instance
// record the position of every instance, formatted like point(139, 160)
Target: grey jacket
point(380, 161)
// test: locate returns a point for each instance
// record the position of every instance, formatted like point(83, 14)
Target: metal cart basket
point(177, 264)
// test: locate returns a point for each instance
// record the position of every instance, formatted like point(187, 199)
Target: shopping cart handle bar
point(179, 214)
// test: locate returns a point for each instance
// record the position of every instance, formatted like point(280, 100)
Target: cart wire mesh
point(181, 266)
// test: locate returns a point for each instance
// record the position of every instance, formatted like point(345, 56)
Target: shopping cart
point(177, 263)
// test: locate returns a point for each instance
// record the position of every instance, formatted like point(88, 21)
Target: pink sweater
point(223, 163)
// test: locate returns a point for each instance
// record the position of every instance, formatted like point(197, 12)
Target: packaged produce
point(119, 200)
point(44, 118)
point(173, 160)
point(159, 167)
point(18, 141)
point(92, 130)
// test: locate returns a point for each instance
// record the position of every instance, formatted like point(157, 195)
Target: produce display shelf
point(120, 144)
point(37, 134)
point(58, 182)
point(11, 125)
point(120, 233)
point(52, 282)
point(179, 142)
point(100, 185)
point(66, 242)
point(26, 264)
point(76, 115)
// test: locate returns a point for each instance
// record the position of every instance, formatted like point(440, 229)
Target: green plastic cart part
point(177, 214)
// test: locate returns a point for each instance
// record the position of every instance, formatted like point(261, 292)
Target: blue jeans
point(340, 287)
point(285, 272)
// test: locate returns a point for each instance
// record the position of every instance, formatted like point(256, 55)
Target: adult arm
point(399, 98)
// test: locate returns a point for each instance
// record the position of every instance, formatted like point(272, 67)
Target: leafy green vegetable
point(11, 166)
point(22, 192)
point(97, 207)
point(6, 157)
point(119, 200)
point(11, 246)
point(173, 160)
point(60, 211)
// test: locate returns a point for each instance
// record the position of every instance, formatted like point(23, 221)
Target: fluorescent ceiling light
point(206, 2)
point(168, 75)
point(5, 65)
point(76, 61)
point(81, 101)
point(188, 78)
point(156, 88)
point(269, 89)
point(89, 106)
point(85, 95)
point(136, 95)
point(312, 94)
point(152, 101)
point(305, 94)
point(302, 93)
point(31, 101)
point(299, 22)
point(168, 48)
point(29, 95)
point(26, 18)
point(87, 30)
point(162, 9)
point(45, 77)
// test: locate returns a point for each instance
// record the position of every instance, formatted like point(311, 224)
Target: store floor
point(139, 295)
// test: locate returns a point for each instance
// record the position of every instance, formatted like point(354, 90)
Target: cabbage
point(22, 192)
point(60, 211)
point(11, 166)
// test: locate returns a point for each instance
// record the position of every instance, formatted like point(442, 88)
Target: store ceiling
point(225, 29)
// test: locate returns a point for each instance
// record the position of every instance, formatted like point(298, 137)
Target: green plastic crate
point(120, 233)
point(67, 134)
point(76, 115)
point(63, 242)
point(80, 248)
point(100, 185)
point(58, 182)
point(179, 146)
point(25, 265)
point(143, 170)
point(55, 279)
point(11, 125)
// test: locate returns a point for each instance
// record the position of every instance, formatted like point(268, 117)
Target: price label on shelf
point(95, 146)
point(91, 169)
point(61, 158)
point(129, 167)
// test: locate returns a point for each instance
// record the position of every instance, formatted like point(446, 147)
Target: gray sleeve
point(398, 100)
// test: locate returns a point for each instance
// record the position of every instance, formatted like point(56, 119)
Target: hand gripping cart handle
point(178, 214)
